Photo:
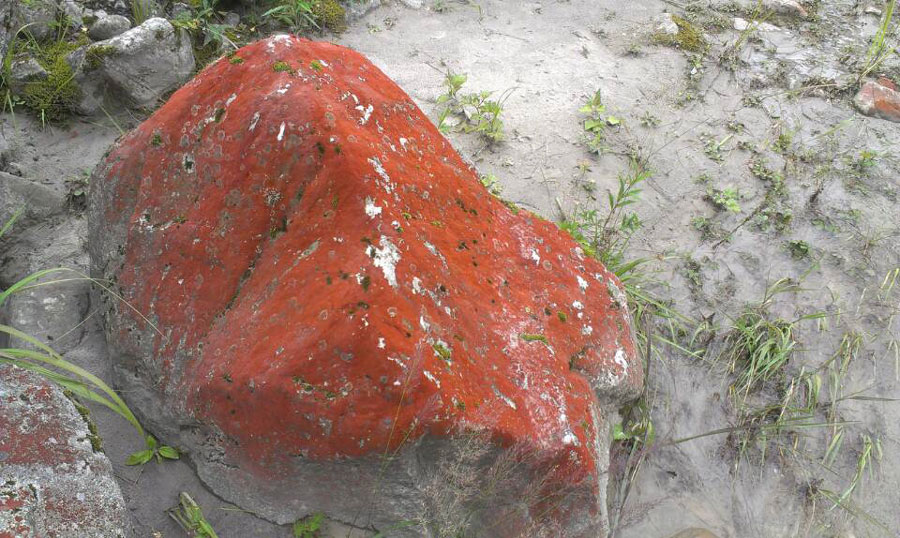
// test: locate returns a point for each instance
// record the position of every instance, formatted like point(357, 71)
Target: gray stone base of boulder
point(434, 486)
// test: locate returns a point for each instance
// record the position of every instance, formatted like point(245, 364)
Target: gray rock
point(36, 17)
point(74, 12)
point(37, 201)
point(415, 4)
point(7, 18)
point(135, 68)
point(786, 7)
point(108, 27)
point(52, 313)
point(358, 9)
point(63, 485)
point(23, 71)
point(5, 154)
point(180, 9)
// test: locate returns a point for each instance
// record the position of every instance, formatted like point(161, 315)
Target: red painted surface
point(880, 99)
point(332, 280)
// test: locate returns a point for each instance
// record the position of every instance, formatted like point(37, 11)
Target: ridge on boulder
point(329, 312)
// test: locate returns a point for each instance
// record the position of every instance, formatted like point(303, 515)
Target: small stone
point(230, 18)
point(873, 10)
point(108, 27)
point(786, 7)
point(666, 25)
point(880, 99)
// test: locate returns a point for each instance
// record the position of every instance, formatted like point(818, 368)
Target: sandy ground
point(552, 56)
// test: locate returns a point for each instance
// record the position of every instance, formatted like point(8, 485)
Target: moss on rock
point(689, 36)
point(54, 97)
point(330, 14)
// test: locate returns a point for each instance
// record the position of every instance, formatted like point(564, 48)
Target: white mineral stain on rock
point(281, 132)
point(506, 399)
point(432, 378)
point(366, 113)
point(577, 305)
point(254, 121)
point(379, 169)
point(582, 283)
point(417, 286)
point(386, 258)
point(371, 209)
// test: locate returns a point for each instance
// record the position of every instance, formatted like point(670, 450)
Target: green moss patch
point(54, 97)
point(330, 14)
point(689, 37)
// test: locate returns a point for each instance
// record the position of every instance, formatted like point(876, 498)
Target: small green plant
point(189, 517)
point(596, 123)
point(475, 112)
point(492, 184)
point(863, 164)
point(607, 237)
point(798, 248)
point(783, 143)
point(309, 526)
point(725, 199)
point(713, 148)
point(296, 14)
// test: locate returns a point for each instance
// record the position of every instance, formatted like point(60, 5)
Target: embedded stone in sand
point(335, 315)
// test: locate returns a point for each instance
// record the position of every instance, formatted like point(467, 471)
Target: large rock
point(136, 68)
point(108, 27)
point(879, 98)
point(54, 480)
point(343, 318)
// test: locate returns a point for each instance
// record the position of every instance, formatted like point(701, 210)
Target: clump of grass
point(189, 517)
point(760, 346)
point(475, 112)
point(299, 15)
point(883, 44)
point(54, 97)
point(606, 237)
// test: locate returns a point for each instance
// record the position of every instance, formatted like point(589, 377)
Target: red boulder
point(879, 98)
point(324, 305)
